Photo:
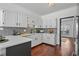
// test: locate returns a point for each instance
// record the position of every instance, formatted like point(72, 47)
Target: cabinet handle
point(46, 26)
point(19, 24)
point(3, 22)
point(16, 23)
point(40, 26)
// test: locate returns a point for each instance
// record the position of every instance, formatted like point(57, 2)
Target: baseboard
point(45, 44)
point(49, 44)
point(37, 45)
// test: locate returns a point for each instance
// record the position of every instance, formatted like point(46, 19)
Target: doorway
point(68, 35)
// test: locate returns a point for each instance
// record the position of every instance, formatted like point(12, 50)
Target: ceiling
point(43, 8)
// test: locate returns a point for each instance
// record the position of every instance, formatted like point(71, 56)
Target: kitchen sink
point(4, 40)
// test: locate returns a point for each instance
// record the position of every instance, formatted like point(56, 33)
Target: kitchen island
point(16, 46)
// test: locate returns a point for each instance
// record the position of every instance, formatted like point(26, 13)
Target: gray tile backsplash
point(9, 31)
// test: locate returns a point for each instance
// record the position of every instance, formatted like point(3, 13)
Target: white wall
point(72, 11)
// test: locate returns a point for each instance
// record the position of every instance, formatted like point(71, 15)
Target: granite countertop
point(14, 40)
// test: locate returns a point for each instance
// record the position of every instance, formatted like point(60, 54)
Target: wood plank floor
point(46, 50)
point(66, 49)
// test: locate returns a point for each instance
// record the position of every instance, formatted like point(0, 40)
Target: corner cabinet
point(12, 19)
point(49, 39)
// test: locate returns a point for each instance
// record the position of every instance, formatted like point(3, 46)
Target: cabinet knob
point(16, 23)
point(3, 22)
point(19, 24)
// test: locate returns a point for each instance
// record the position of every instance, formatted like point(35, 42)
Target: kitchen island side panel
point(19, 50)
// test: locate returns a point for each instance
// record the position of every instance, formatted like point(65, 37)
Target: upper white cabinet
point(49, 23)
point(13, 19)
point(38, 24)
point(30, 22)
point(10, 19)
point(1, 18)
point(22, 19)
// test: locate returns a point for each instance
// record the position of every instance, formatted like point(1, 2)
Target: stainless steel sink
point(3, 39)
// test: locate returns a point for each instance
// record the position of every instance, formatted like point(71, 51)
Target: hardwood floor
point(66, 49)
point(46, 50)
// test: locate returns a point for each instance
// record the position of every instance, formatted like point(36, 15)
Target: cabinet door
point(31, 22)
point(36, 40)
point(33, 43)
point(45, 23)
point(51, 39)
point(53, 23)
point(1, 18)
point(19, 19)
point(45, 40)
point(24, 23)
point(39, 41)
point(22, 20)
point(10, 19)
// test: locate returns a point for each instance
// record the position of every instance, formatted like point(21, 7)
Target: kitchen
point(23, 27)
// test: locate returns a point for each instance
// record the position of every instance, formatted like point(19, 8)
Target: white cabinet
point(39, 38)
point(1, 18)
point(49, 23)
point(45, 23)
point(13, 19)
point(30, 22)
point(22, 19)
point(36, 40)
point(10, 19)
point(49, 38)
point(38, 23)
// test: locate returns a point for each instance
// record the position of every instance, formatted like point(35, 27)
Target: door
point(67, 35)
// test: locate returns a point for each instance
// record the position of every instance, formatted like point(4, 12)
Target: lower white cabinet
point(49, 38)
point(36, 39)
point(39, 38)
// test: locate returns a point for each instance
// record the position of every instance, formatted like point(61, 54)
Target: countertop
point(14, 40)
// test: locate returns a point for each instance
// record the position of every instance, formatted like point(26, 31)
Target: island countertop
point(14, 40)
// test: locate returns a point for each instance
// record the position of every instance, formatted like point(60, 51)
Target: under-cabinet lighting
point(1, 29)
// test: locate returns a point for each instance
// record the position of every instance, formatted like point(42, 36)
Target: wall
point(16, 8)
point(72, 11)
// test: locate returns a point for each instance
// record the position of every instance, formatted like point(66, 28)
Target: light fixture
point(51, 3)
